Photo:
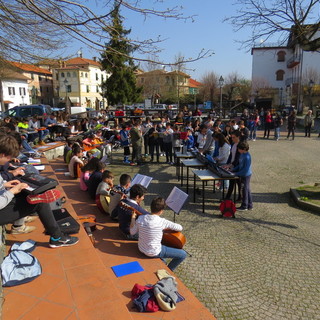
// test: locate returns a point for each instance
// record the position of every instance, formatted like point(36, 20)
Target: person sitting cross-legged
point(127, 207)
point(150, 229)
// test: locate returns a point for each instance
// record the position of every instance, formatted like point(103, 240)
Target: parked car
point(28, 111)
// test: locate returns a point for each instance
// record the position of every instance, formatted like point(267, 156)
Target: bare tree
point(209, 86)
point(33, 29)
point(237, 88)
point(280, 18)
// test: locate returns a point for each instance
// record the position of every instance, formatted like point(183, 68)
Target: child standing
point(244, 172)
point(124, 139)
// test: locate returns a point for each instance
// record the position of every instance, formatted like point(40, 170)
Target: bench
point(78, 282)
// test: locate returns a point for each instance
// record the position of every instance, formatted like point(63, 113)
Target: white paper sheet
point(141, 179)
point(176, 199)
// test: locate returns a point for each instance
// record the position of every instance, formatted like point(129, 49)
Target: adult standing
point(308, 123)
point(277, 125)
point(136, 141)
point(292, 120)
point(267, 124)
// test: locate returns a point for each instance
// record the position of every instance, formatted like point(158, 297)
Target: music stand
point(176, 200)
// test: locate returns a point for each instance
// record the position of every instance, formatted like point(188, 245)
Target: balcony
point(294, 61)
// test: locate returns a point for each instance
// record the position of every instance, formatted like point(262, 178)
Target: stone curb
point(301, 203)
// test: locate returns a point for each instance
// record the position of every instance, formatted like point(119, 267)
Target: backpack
point(227, 209)
point(20, 266)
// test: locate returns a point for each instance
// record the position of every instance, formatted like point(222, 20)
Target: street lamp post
point(311, 84)
point(67, 104)
point(280, 100)
point(221, 82)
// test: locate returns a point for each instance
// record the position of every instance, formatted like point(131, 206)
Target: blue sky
point(208, 31)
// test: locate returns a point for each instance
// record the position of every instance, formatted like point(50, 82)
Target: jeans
point(277, 133)
point(253, 132)
point(177, 255)
point(43, 133)
point(246, 193)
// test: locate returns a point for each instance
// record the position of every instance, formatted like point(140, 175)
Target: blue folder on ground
point(127, 268)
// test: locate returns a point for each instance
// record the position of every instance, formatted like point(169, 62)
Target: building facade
point(40, 85)
point(79, 80)
point(286, 74)
point(163, 84)
point(15, 89)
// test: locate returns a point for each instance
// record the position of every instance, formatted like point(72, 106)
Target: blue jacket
point(190, 142)
point(243, 169)
point(124, 138)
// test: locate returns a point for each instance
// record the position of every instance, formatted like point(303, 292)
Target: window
point(97, 88)
point(102, 78)
point(62, 74)
point(11, 91)
point(281, 56)
point(82, 74)
point(86, 75)
point(74, 74)
point(47, 89)
point(69, 88)
point(88, 88)
point(40, 89)
point(280, 75)
point(97, 76)
point(68, 75)
point(32, 76)
point(57, 76)
point(22, 91)
point(40, 78)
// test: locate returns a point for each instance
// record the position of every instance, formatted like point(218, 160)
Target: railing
point(293, 61)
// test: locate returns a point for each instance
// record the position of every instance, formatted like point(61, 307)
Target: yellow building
point(160, 83)
point(79, 81)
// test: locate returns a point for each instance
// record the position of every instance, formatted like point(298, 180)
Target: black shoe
point(242, 209)
point(63, 241)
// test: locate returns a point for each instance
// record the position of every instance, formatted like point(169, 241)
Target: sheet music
point(176, 199)
point(141, 179)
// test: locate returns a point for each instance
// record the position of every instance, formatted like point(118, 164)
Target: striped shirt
point(150, 228)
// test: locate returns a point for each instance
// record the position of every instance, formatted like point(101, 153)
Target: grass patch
point(310, 194)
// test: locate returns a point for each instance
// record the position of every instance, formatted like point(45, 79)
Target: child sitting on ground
point(119, 192)
point(95, 179)
point(104, 190)
point(86, 171)
point(75, 161)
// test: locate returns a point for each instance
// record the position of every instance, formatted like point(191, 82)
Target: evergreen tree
point(121, 86)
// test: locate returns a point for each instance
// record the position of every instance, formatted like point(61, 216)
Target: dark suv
point(28, 111)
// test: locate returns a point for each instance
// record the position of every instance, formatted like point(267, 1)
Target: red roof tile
point(30, 68)
point(194, 83)
point(82, 61)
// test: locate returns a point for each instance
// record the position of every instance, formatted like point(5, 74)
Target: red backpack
point(228, 209)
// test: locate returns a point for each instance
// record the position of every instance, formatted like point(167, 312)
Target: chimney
point(94, 58)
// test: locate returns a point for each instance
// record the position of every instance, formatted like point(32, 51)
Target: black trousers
point(308, 130)
point(19, 208)
point(154, 146)
point(168, 150)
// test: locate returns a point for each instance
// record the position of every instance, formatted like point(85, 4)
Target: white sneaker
point(29, 219)
point(22, 229)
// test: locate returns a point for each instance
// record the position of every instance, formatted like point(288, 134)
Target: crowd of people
point(89, 147)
